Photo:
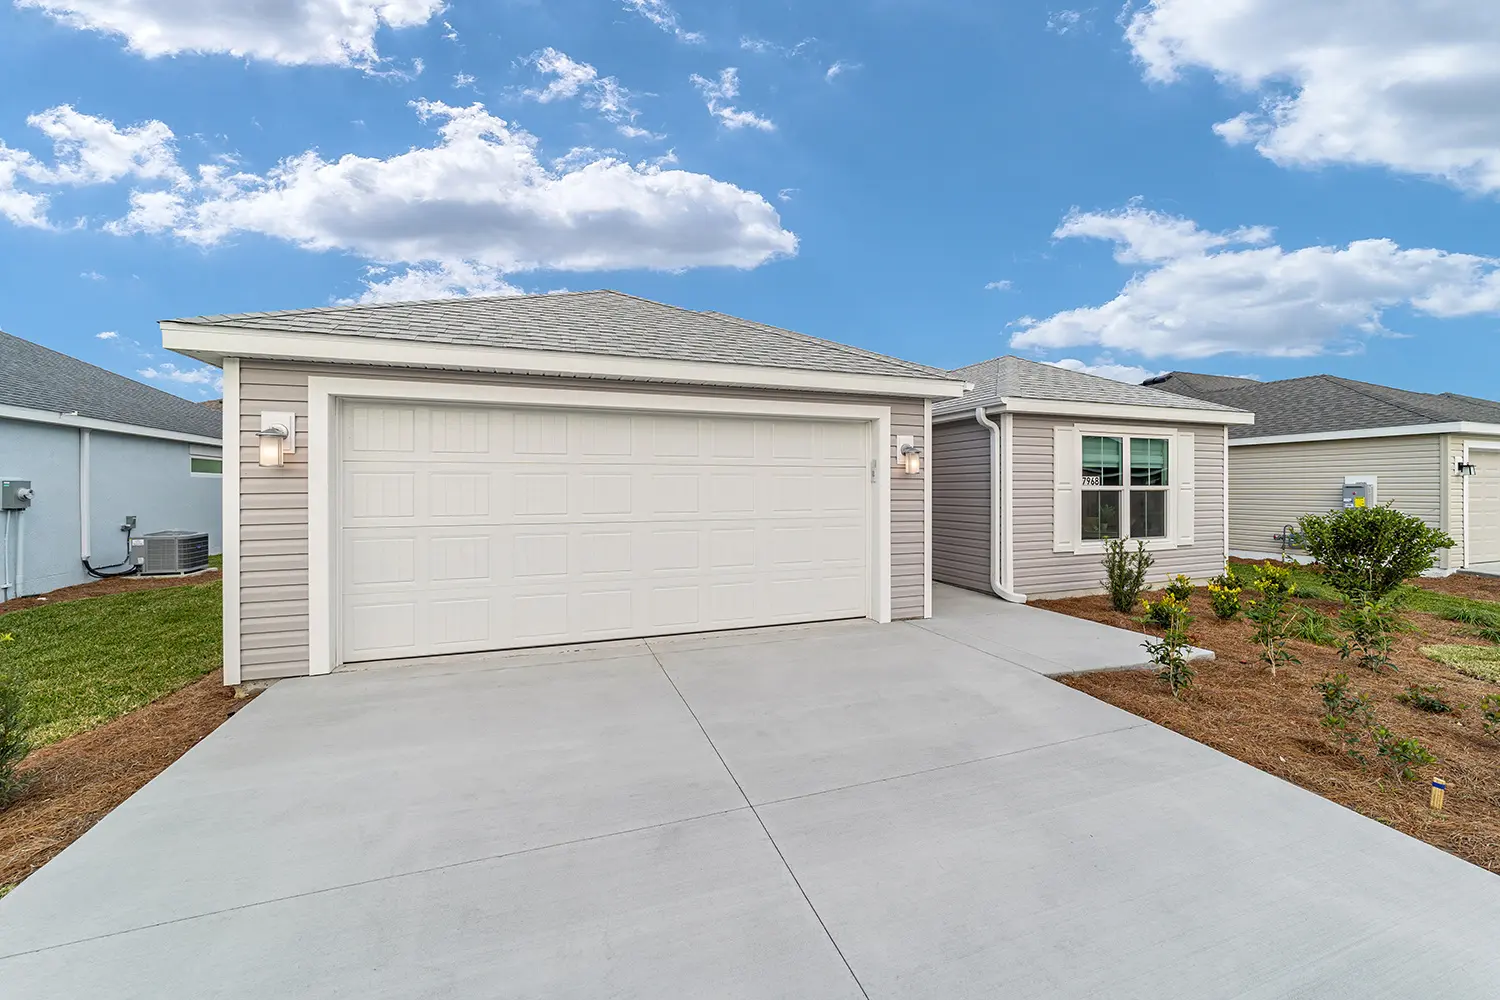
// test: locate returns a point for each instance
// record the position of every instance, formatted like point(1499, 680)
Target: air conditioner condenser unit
point(165, 553)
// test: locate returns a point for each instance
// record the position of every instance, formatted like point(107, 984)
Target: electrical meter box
point(1358, 492)
point(15, 494)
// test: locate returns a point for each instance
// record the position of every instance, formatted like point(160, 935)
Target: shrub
point(1424, 698)
point(1180, 587)
point(1125, 573)
point(1345, 714)
point(1489, 713)
point(1480, 662)
point(1225, 601)
point(1311, 625)
point(1482, 623)
point(14, 742)
point(1162, 612)
point(1170, 653)
point(1370, 551)
point(1402, 756)
point(1368, 626)
point(1272, 616)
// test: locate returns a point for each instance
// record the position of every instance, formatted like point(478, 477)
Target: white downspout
point(1002, 561)
point(83, 493)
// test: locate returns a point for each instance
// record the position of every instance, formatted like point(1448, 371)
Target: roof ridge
point(1359, 387)
point(403, 303)
point(836, 345)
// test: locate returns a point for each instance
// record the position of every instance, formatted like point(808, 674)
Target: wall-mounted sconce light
point(1467, 468)
point(278, 438)
point(911, 455)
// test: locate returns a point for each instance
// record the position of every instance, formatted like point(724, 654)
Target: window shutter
point(1187, 493)
point(1065, 475)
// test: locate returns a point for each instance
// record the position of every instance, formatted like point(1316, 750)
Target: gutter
point(1002, 528)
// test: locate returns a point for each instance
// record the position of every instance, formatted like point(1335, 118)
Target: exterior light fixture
point(1467, 468)
point(911, 455)
point(277, 438)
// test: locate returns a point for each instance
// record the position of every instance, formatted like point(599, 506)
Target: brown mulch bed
point(75, 782)
point(1480, 588)
point(114, 585)
point(1237, 707)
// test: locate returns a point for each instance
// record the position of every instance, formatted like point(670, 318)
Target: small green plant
point(1125, 573)
point(1162, 612)
point(1402, 755)
point(1170, 652)
point(15, 744)
point(1484, 624)
point(1479, 662)
point(1346, 714)
point(1425, 698)
point(1369, 626)
point(1311, 625)
point(1367, 552)
point(1489, 714)
point(1225, 601)
point(1272, 615)
point(1180, 587)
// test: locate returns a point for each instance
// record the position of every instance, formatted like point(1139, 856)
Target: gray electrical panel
point(1359, 494)
point(15, 494)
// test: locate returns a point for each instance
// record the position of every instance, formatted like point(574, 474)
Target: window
point(200, 465)
point(1110, 503)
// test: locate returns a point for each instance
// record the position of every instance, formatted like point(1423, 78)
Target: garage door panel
point(1484, 507)
point(470, 529)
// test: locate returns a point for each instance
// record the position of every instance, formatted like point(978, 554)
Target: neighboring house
point(1036, 467)
point(1314, 435)
point(494, 473)
point(97, 447)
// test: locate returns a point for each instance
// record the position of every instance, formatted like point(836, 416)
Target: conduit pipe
point(1002, 549)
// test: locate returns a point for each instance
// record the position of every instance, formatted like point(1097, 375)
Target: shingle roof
point(1201, 382)
point(601, 322)
point(1018, 378)
point(1321, 403)
point(36, 378)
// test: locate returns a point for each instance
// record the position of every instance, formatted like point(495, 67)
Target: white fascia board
point(213, 344)
point(1107, 411)
point(1409, 430)
point(90, 423)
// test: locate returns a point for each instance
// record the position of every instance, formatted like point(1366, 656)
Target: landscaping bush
point(1170, 653)
point(1369, 629)
point(1370, 551)
point(1402, 755)
point(1163, 612)
point(1272, 615)
point(1345, 714)
point(1480, 662)
point(1311, 625)
point(1180, 587)
point(1225, 601)
point(14, 742)
point(1125, 573)
point(1489, 713)
point(1425, 698)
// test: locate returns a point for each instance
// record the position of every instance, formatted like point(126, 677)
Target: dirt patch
point(1237, 707)
point(1471, 585)
point(114, 585)
point(77, 781)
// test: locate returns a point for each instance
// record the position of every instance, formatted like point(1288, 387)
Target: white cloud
point(571, 78)
point(20, 206)
point(1105, 368)
point(166, 371)
point(91, 275)
point(1412, 85)
point(1062, 22)
point(436, 280)
point(762, 46)
point(661, 14)
point(293, 32)
point(480, 195)
point(1198, 293)
point(462, 80)
point(106, 335)
point(787, 194)
point(1003, 285)
point(727, 88)
point(838, 69)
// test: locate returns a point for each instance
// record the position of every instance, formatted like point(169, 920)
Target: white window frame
point(1069, 489)
point(207, 458)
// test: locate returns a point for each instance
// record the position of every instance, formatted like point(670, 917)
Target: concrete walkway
point(839, 811)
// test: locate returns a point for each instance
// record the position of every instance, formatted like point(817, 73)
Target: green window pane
point(208, 466)
point(1101, 514)
point(1148, 462)
point(1102, 460)
point(1148, 514)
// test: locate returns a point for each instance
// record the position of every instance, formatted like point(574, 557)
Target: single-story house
point(96, 448)
point(493, 473)
point(1036, 467)
point(1321, 441)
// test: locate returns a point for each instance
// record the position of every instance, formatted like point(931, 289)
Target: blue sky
point(1275, 189)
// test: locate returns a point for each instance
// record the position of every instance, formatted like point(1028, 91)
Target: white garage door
point(466, 529)
point(1484, 508)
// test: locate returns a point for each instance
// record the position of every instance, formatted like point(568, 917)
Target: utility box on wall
point(15, 494)
point(1359, 491)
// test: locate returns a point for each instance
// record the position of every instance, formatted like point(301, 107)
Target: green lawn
point(86, 662)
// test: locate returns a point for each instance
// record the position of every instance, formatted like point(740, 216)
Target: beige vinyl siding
point(1041, 572)
point(1272, 485)
point(961, 499)
point(273, 503)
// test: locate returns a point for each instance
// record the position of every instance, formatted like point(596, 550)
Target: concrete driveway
point(837, 811)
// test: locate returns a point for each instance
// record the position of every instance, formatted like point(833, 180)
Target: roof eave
point(1403, 430)
point(212, 343)
point(1104, 411)
point(60, 418)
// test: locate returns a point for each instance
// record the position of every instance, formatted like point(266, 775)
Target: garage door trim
point(323, 459)
point(1493, 450)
